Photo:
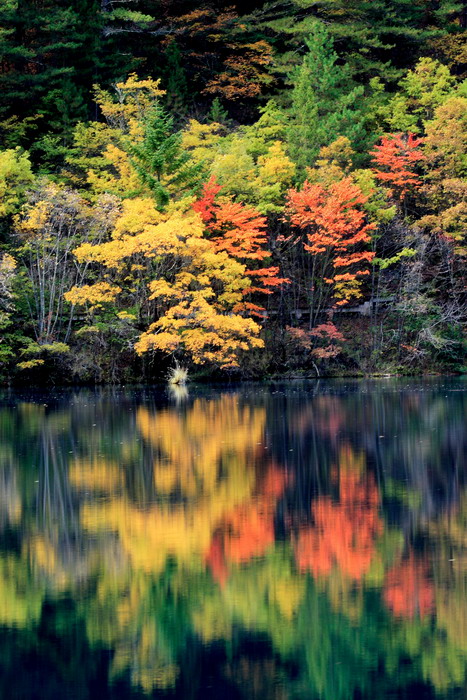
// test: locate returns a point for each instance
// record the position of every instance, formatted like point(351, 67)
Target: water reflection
point(279, 542)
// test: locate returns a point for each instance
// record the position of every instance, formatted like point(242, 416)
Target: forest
point(245, 189)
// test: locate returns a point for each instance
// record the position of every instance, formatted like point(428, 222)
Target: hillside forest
point(247, 189)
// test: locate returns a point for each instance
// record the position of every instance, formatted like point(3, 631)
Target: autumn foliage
point(396, 158)
point(324, 341)
point(239, 231)
point(248, 529)
point(408, 592)
point(335, 225)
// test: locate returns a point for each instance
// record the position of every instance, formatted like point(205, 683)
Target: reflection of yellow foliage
point(266, 596)
point(288, 594)
point(149, 668)
point(96, 474)
point(451, 614)
point(206, 455)
point(192, 445)
point(43, 553)
point(344, 595)
point(43, 557)
point(451, 573)
point(213, 620)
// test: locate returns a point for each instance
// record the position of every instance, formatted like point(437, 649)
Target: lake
point(279, 541)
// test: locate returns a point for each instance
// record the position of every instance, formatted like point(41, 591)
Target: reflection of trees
point(409, 431)
point(408, 591)
point(203, 467)
point(344, 532)
point(199, 526)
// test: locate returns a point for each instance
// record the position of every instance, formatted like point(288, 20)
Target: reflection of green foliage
point(399, 491)
point(20, 597)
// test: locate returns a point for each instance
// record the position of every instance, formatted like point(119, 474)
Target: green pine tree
point(161, 162)
point(218, 114)
point(377, 38)
point(326, 103)
point(52, 52)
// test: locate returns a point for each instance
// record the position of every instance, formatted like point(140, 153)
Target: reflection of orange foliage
point(344, 533)
point(249, 529)
point(325, 414)
point(408, 591)
point(215, 559)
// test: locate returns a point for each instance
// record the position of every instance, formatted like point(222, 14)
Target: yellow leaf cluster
point(252, 165)
point(196, 288)
point(94, 294)
point(134, 98)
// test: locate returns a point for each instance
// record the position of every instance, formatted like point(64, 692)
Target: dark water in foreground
point(300, 541)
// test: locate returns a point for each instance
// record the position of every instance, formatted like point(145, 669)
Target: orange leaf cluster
point(334, 222)
point(245, 75)
point(240, 231)
point(344, 533)
point(395, 157)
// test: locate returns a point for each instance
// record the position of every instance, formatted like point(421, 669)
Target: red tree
point(240, 231)
point(336, 230)
point(396, 157)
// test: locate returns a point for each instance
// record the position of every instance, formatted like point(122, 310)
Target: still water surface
point(283, 542)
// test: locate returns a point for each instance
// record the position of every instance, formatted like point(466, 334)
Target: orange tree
point(240, 231)
point(396, 158)
point(336, 237)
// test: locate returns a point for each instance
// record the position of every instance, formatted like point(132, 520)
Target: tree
point(54, 220)
point(15, 176)
point(8, 271)
point(160, 160)
point(51, 53)
point(421, 90)
point(194, 288)
point(251, 163)
point(240, 231)
point(324, 101)
point(334, 223)
point(379, 38)
point(443, 194)
point(396, 158)
point(177, 89)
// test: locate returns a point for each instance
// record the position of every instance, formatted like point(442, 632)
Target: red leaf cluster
point(335, 224)
point(396, 157)
point(240, 231)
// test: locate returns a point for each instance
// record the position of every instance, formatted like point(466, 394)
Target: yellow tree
point(193, 287)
